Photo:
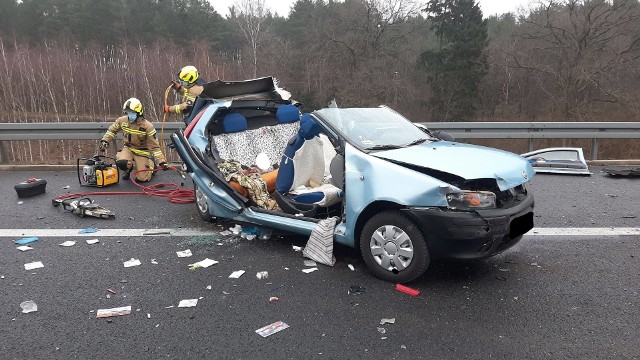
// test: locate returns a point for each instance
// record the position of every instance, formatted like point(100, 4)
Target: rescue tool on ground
point(84, 207)
point(97, 172)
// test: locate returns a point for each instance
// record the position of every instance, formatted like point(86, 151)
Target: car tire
point(202, 204)
point(394, 248)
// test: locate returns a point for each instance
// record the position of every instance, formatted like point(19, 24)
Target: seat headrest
point(234, 122)
point(309, 127)
point(287, 114)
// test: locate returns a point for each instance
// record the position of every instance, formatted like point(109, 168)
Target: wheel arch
point(370, 210)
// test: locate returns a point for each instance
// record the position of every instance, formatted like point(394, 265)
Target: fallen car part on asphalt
point(622, 171)
point(561, 160)
point(407, 290)
point(28, 306)
point(132, 262)
point(272, 329)
point(33, 265)
point(188, 303)
point(119, 311)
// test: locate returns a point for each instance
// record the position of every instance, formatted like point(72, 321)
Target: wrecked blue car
point(397, 192)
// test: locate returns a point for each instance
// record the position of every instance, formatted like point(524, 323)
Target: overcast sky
point(489, 7)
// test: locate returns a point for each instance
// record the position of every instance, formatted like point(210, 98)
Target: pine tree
point(456, 67)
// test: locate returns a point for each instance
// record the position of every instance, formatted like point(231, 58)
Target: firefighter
point(189, 86)
point(140, 143)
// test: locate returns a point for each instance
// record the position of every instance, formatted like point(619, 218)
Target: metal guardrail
point(460, 130)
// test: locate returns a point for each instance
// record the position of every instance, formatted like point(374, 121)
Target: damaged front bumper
point(478, 234)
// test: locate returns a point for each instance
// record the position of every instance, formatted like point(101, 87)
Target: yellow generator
point(97, 172)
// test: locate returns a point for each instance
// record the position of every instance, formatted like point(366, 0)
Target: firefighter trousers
point(141, 163)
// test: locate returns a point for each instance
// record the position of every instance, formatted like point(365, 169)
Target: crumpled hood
point(465, 160)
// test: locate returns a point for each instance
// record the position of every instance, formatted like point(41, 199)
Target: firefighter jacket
point(139, 137)
point(189, 95)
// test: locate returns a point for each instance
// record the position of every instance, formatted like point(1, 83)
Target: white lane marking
point(195, 232)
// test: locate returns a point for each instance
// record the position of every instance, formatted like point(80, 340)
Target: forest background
point(438, 60)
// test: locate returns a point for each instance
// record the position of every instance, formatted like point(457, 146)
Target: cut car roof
point(265, 88)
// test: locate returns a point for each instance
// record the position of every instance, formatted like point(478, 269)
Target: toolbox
point(30, 187)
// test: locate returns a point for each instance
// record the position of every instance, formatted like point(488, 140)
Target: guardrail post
point(594, 149)
point(530, 146)
point(3, 154)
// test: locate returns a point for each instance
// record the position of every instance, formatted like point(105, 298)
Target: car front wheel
point(394, 248)
point(202, 205)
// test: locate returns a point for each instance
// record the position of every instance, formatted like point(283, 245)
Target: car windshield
point(373, 128)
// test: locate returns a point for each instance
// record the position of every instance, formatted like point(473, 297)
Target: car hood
point(466, 161)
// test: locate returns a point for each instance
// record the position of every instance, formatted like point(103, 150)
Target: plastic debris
point(68, 243)
point(28, 306)
point(388, 321)
point(119, 311)
point(407, 290)
point(356, 290)
point(351, 267)
point(20, 202)
point(92, 241)
point(202, 264)
point(226, 233)
point(403, 346)
point(382, 330)
point(262, 275)
point(310, 263)
point(33, 265)
point(24, 248)
point(273, 299)
point(236, 274)
point(188, 303)
point(111, 291)
point(272, 329)
point(209, 287)
point(236, 230)
point(27, 240)
point(184, 253)
point(296, 248)
point(132, 262)
point(265, 234)
point(148, 316)
point(309, 270)
point(88, 231)
point(66, 187)
point(154, 262)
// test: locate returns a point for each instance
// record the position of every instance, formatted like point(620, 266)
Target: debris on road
point(92, 241)
point(28, 306)
point(629, 171)
point(262, 275)
point(202, 264)
point(236, 274)
point(387, 321)
point(154, 262)
point(27, 240)
point(272, 329)
point(119, 311)
point(382, 330)
point(184, 253)
point(68, 243)
point(310, 263)
point(188, 303)
point(236, 230)
point(277, 287)
point(111, 291)
point(320, 244)
point(273, 299)
point(407, 290)
point(33, 265)
point(296, 248)
point(226, 233)
point(209, 287)
point(88, 231)
point(24, 248)
point(356, 290)
point(351, 267)
point(309, 270)
point(132, 262)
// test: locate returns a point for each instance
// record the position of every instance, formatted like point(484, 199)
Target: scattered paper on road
point(33, 265)
point(309, 270)
point(388, 321)
point(119, 311)
point(202, 264)
point(92, 241)
point(24, 248)
point(184, 253)
point(296, 248)
point(188, 303)
point(272, 329)
point(236, 274)
point(28, 306)
point(310, 263)
point(132, 262)
point(68, 243)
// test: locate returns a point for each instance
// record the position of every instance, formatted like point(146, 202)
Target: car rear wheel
point(393, 247)
point(202, 205)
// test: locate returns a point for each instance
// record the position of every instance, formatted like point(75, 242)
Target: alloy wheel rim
point(391, 248)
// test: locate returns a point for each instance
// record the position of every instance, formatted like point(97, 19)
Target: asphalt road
point(555, 297)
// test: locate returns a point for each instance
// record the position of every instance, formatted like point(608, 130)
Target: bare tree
point(251, 16)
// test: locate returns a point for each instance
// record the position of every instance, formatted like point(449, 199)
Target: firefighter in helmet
point(189, 86)
point(140, 143)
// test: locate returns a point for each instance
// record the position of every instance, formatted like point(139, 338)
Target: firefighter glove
point(164, 166)
point(176, 85)
point(166, 108)
point(103, 145)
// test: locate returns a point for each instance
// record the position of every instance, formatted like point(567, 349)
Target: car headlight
point(472, 200)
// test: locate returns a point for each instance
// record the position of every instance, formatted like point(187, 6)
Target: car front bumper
point(454, 234)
